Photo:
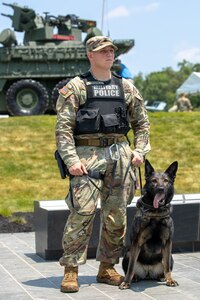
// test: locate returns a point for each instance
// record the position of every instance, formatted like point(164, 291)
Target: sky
point(165, 31)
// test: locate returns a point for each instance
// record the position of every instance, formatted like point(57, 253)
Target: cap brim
point(105, 45)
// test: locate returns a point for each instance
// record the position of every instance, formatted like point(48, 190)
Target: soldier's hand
point(78, 169)
point(137, 159)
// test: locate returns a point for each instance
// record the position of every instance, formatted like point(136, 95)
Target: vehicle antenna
point(102, 19)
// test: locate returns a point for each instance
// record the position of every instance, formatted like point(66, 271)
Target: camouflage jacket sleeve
point(138, 117)
point(67, 106)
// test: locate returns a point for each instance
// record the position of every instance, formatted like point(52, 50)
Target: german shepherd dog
point(149, 255)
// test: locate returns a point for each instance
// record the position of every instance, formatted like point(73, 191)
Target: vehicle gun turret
point(52, 52)
point(40, 29)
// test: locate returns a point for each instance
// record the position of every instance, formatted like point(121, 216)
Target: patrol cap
point(97, 43)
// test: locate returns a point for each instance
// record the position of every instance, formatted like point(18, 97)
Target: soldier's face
point(102, 58)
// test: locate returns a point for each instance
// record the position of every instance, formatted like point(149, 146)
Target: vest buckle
point(104, 142)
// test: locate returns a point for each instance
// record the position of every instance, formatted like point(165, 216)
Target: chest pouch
point(105, 110)
point(109, 123)
point(88, 120)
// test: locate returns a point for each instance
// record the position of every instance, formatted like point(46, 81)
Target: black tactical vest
point(105, 110)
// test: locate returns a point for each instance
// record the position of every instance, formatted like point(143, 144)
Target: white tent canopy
point(191, 85)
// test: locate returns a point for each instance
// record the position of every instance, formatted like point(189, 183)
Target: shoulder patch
point(65, 91)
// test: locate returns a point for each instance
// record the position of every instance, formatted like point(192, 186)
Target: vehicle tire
point(27, 97)
point(55, 93)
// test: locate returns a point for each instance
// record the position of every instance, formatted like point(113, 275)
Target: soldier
point(94, 111)
point(183, 103)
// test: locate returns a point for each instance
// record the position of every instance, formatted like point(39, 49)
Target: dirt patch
point(18, 222)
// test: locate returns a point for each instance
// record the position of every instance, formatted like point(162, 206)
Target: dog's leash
point(140, 176)
point(140, 179)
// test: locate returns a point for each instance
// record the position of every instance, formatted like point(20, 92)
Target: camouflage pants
point(83, 199)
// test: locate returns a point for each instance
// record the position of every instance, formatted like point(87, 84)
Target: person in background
point(94, 114)
point(183, 103)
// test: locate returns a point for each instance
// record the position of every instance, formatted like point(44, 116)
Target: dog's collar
point(143, 204)
point(150, 211)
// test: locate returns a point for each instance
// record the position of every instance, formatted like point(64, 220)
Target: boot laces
point(112, 272)
point(71, 274)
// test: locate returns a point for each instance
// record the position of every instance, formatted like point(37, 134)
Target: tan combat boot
point(108, 274)
point(69, 283)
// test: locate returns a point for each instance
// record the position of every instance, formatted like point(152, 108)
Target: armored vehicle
point(52, 52)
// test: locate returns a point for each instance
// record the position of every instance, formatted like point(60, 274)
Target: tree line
point(162, 85)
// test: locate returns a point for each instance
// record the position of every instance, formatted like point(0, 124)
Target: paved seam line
point(34, 270)
point(16, 281)
point(187, 266)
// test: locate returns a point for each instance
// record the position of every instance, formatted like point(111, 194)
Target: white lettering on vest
point(106, 91)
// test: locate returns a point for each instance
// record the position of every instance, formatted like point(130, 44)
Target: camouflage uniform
point(183, 104)
point(116, 191)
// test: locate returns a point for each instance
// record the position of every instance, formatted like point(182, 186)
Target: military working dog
point(149, 255)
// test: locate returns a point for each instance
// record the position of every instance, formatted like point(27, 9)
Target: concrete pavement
point(24, 275)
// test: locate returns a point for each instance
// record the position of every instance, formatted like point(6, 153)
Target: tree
point(162, 85)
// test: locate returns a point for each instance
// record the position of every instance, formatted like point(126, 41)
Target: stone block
point(50, 218)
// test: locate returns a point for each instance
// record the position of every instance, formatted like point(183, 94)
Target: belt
point(99, 142)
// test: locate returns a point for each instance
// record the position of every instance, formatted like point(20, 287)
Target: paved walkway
point(24, 275)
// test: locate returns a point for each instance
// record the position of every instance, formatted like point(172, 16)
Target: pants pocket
point(82, 196)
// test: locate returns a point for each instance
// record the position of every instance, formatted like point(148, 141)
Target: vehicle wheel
point(27, 97)
point(55, 94)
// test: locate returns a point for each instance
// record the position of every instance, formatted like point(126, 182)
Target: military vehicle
point(52, 52)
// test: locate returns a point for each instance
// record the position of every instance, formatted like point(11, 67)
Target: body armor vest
point(105, 110)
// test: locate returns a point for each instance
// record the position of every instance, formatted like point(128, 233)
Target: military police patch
point(106, 91)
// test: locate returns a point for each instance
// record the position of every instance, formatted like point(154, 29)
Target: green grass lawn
point(28, 170)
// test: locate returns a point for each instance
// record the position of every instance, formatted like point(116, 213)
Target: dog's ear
point(172, 169)
point(148, 169)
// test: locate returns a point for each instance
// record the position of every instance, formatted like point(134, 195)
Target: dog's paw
point(124, 286)
point(171, 282)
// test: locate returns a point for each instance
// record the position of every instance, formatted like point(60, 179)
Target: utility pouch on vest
point(88, 120)
point(109, 123)
point(123, 119)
